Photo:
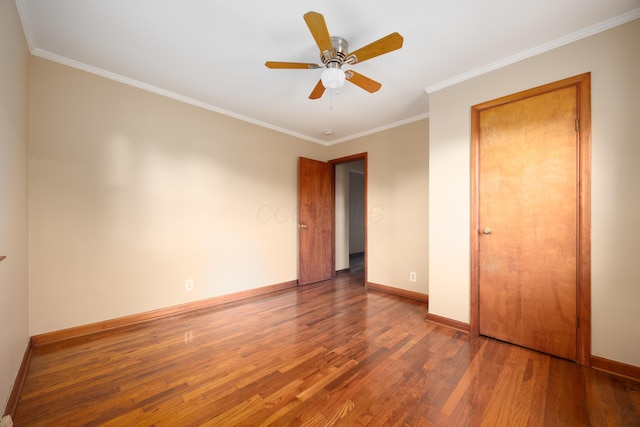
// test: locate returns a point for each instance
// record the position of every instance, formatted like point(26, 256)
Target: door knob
point(487, 231)
point(302, 225)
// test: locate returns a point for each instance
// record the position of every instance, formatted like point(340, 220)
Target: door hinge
point(577, 125)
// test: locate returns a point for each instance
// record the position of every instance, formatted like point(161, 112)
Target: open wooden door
point(531, 210)
point(316, 211)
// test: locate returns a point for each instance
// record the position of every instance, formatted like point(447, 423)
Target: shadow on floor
point(356, 262)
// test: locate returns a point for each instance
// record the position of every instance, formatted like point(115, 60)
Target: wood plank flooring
point(326, 354)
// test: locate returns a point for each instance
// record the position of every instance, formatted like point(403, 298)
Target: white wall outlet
point(6, 421)
point(412, 276)
point(188, 285)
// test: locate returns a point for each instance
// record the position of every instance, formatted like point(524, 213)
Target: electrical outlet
point(412, 276)
point(6, 421)
point(188, 285)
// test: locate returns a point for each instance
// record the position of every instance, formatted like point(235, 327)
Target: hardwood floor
point(331, 353)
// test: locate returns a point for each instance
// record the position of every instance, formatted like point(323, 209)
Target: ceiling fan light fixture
point(333, 78)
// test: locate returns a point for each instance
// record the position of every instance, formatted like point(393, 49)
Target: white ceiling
point(211, 53)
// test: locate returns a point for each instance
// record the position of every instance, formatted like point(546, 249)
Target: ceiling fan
point(334, 54)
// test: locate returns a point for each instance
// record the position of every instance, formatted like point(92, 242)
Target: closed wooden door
point(315, 221)
point(528, 220)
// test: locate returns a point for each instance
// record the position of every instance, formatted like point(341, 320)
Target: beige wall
point(14, 127)
point(398, 181)
point(132, 193)
point(342, 216)
point(613, 58)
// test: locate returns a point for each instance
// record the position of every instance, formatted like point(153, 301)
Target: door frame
point(349, 159)
point(583, 286)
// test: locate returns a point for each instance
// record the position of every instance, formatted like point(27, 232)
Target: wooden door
point(528, 220)
point(315, 221)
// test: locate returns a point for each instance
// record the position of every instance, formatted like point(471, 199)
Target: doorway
point(530, 245)
point(350, 215)
point(351, 219)
point(317, 215)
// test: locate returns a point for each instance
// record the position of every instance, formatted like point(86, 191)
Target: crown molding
point(379, 129)
point(570, 38)
point(27, 28)
point(159, 91)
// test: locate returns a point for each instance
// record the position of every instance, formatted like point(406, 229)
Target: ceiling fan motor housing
point(340, 50)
